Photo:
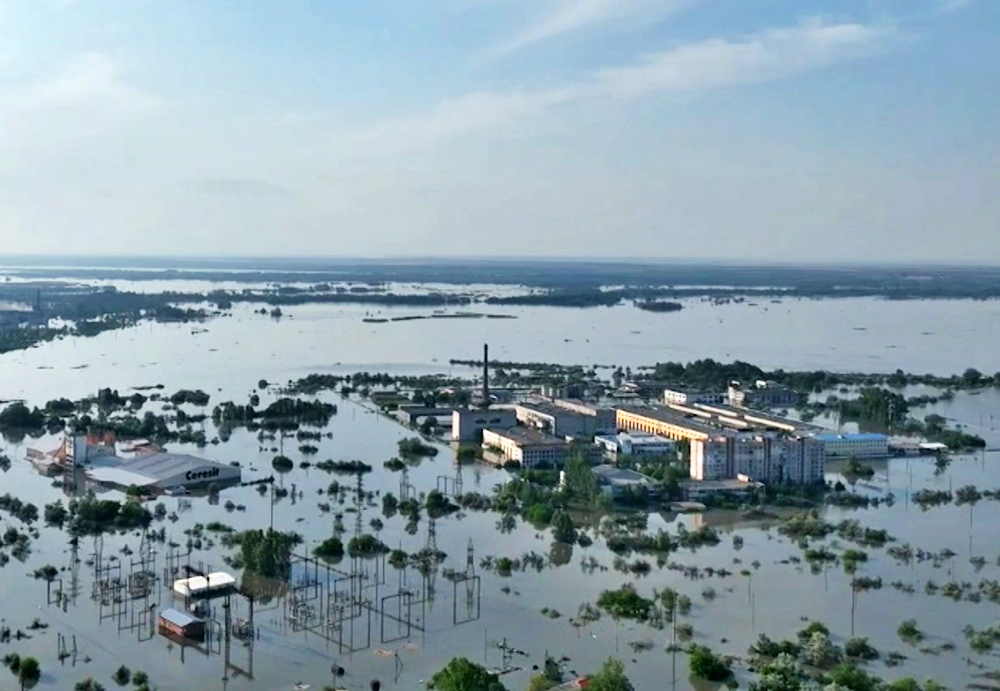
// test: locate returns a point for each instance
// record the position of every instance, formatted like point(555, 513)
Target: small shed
point(217, 584)
point(172, 622)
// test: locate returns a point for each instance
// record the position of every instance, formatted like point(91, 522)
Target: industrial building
point(605, 419)
point(616, 481)
point(863, 445)
point(690, 396)
point(529, 447)
point(161, 471)
point(176, 624)
point(468, 425)
point(635, 444)
point(762, 393)
point(727, 442)
point(734, 487)
point(577, 421)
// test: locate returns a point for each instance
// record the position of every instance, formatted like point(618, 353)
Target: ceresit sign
point(193, 475)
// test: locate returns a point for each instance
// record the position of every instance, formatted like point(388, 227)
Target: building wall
point(468, 425)
point(688, 397)
point(860, 447)
point(635, 422)
point(528, 455)
point(710, 459)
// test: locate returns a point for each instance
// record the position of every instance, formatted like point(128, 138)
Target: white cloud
point(85, 96)
point(566, 16)
point(767, 56)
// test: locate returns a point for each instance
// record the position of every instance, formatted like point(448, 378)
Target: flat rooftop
point(855, 436)
point(621, 476)
point(526, 436)
point(730, 484)
point(673, 417)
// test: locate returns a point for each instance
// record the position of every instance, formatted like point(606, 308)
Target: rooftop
point(526, 436)
point(720, 485)
point(672, 417)
point(855, 436)
point(178, 618)
point(620, 476)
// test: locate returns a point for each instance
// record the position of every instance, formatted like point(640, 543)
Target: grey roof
point(120, 477)
point(621, 476)
point(530, 437)
point(178, 618)
point(673, 417)
point(161, 465)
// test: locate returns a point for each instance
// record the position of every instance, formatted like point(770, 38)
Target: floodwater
point(233, 353)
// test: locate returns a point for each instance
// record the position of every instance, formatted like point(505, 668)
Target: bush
point(625, 603)
point(705, 664)
point(122, 676)
point(330, 549)
point(282, 464)
point(366, 546)
point(462, 675)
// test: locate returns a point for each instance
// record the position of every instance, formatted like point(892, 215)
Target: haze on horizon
point(793, 130)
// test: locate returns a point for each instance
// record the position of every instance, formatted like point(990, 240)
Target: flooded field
point(776, 595)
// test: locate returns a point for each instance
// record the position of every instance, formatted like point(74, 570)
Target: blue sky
point(860, 130)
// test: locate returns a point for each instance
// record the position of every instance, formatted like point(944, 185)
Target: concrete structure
point(725, 442)
point(699, 490)
point(864, 445)
point(690, 396)
point(605, 419)
point(177, 624)
point(161, 471)
point(616, 481)
point(635, 444)
point(561, 421)
point(529, 447)
point(762, 393)
point(468, 425)
point(217, 584)
point(760, 456)
point(414, 414)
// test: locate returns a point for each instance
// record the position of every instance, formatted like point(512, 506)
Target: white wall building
point(468, 425)
point(529, 447)
point(635, 444)
point(689, 397)
point(865, 445)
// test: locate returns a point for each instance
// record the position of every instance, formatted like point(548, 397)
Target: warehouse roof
point(528, 436)
point(178, 618)
point(160, 465)
point(122, 478)
point(200, 585)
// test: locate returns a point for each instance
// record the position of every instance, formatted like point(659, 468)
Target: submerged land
point(369, 545)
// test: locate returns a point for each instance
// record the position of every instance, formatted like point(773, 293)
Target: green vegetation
point(462, 675)
point(122, 676)
point(704, 664)
point(611, 677)
point(626, 603)
point(343, 467)
point(909, 632)
point(265, 553)
point(92, 516)
point(366, 546)
point(414, 447)
point(283, 464)
point(330, 549)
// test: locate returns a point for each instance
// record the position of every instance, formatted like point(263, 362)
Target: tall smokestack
point(486, 375)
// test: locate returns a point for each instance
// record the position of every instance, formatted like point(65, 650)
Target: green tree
point(563, 529)
point(29, 672)
point(610, 678)
point(704, 664)
point(462, 675)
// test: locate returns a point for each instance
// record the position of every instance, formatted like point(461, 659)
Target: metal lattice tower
point(404, 484)
point(470, 560)
point(432, 540)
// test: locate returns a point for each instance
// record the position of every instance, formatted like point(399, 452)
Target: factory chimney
point(486, 375)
